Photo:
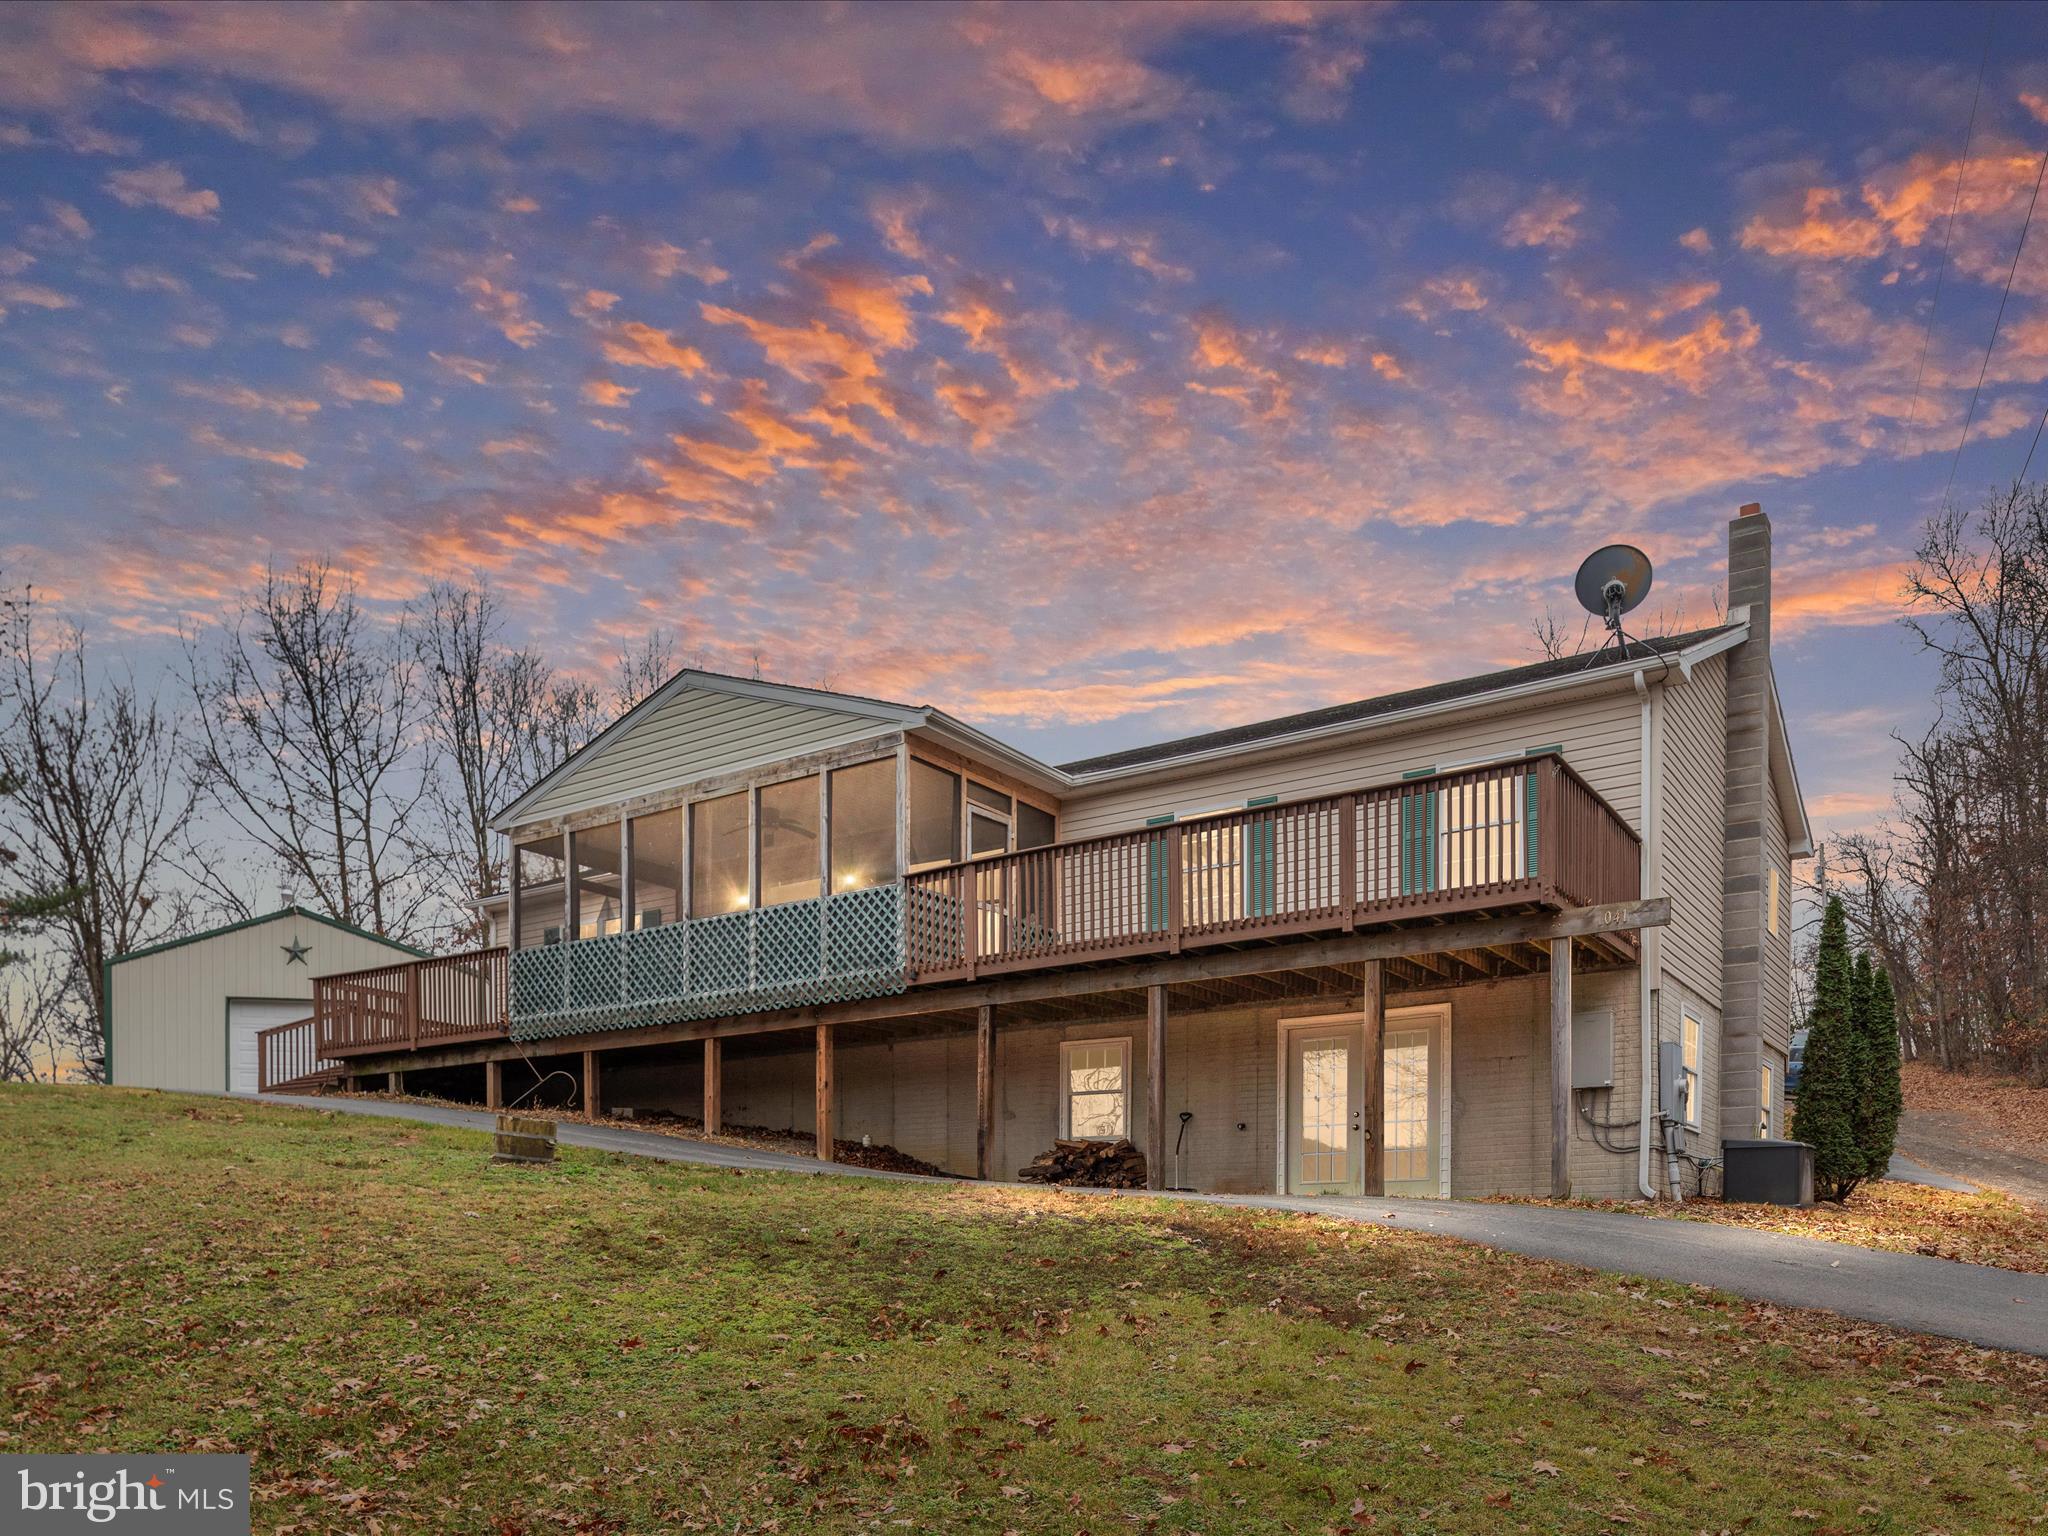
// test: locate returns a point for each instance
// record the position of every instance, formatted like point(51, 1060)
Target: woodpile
point(1101, 1164)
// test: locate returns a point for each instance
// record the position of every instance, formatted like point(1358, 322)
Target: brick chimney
point(1745, 820)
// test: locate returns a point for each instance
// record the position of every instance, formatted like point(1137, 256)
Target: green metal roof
point(271, 917)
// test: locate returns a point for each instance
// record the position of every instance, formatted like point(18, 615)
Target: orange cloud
point(1549, 221)
point(354, 387)
point(208, 437)
point(612, 396)
point(637, 345)
point(241, 397)
point(506, 309)
point(1870, 594)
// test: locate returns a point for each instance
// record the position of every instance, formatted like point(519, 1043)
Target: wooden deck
point(1526, 837)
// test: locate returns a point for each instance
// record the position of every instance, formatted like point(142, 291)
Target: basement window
point(1691, 1040)
point(1095, 1101)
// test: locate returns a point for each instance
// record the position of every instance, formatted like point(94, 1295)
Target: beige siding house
point(1523, 932)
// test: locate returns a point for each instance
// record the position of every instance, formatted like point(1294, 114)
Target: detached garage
point(185, 1014)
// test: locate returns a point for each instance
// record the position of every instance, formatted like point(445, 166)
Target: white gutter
point(1646, 1086)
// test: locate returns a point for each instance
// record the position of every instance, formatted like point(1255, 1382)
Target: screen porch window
point(1690, 1053)
point(864, 825)
point(990, 814)
point(600, 896)
point(718, 855)
point(934, 815)
point(657, 869)
point(1095, 1079)
point(538, 869)
point(789, 841)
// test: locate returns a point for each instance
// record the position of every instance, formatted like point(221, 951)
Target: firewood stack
point(1102, 1164)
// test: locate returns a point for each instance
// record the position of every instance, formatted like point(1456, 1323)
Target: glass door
point(1325, 1109)
point(1411, 1071)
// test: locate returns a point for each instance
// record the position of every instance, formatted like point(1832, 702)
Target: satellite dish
point(1612, 581)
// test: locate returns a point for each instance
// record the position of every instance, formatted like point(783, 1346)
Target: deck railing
point(439, 1001)
point(288, 1058)
point(1515, 834)
point(1524, 831)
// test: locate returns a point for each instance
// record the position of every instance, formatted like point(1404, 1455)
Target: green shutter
point(1261, 875)
point(1529, 822)
point(1418, 842)
point(1155, 876)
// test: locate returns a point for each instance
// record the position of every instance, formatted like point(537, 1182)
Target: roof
point(269, 917)
point(1393, 703)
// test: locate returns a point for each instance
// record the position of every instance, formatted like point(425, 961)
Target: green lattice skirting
point(844, 946)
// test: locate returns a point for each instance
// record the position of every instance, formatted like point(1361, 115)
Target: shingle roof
point(1388, 703)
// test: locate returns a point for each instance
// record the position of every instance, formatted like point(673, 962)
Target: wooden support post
point(396, 1083)
point(984, 1091)
point(714, 1098)
point(1560, 1068)
point(1155, 1087)
point(1375, 1106)
point(593, 1090)
point(494, 1085)
point(824, 1093)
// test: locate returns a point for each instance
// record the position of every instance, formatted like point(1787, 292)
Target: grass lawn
point(411, 1339)
point(1983, 1227)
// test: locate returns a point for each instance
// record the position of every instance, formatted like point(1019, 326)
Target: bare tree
point(41, 1027)
point(495, 721)
point(307, 743)
point(1953, 893)
point(643, 668)
point(102, 802)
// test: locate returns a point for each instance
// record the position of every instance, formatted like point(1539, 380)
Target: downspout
point(1652, 786)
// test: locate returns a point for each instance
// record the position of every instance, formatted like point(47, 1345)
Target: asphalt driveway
point(1995, 1308)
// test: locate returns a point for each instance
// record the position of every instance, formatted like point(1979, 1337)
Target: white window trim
point(1067, 1048)
point(1695, 1074)
point(1767, 1088)
point(1771, 899)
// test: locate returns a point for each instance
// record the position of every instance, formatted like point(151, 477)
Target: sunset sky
point(1097, 374)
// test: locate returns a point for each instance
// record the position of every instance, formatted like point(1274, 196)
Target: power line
point(1948, 233)
point(1997, 321)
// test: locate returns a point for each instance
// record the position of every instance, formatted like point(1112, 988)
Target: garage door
point(245, 1017)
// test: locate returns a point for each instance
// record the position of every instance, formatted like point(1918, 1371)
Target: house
point(191, 1014)
point(1521, 932)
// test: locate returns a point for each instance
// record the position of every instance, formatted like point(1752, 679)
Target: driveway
point(1995, 1308)
point(1957, 1145)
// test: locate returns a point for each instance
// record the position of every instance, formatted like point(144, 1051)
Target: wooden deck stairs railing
point(288, 1059)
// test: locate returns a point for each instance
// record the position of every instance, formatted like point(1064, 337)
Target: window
point(1034, 827)
point(537, 870)
point(789, 841)
point(718, 855)
point(1764, 1100)
point(934, 815)
point(864, 825)
point(1771, 900)
point(1095, 1104)
point(989, 815)
point(657, 869)
point(599, 898)
point(1690, 1045)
